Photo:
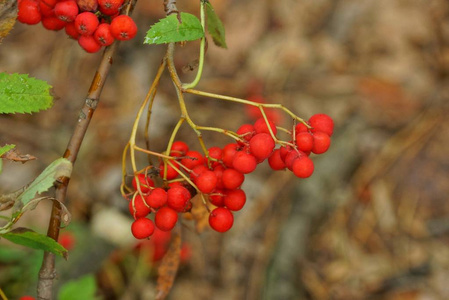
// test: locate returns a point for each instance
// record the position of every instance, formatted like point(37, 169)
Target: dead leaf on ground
point(8, 14)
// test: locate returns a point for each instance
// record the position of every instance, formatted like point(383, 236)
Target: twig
point(47, 271)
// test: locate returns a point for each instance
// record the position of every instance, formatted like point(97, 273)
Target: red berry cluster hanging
point(220, 174)
point(94, 23)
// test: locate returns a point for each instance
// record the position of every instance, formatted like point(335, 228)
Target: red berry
point(216, 153)
point(53, 23)
point(27, 298)
point(89, 44)
point(261, 145)
point(29, 12)
point(47, 8)
point(304, 141)
point(228, 154)
point(179, 148)
point(260, 126)
point(235, 199)
point(66, 11)
point(166, 218)
point(221, 219)
point(103, 35)
point(321, 142)
point(206, 181)
point(71, 31)
point(123, 28)
point(275, 161)
point(171, 172)
point(67, 240)
point(87, 5)
point(246, 131)
point(144, 182)
point(300, 127)
point(323, 123)
point(232, 179)
point(303, 167)
point(244, 162)
point(110, 7)
point(157, 198)
point(138, 208)
point(178, 198)
point(142, 228)
point(290, 158)
point(86, 23)
point(196, 171)
point(193, 159)
point(217, 197)
point(218, 170)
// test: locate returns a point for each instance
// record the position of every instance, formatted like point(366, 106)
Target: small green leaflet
point(215, 26)
point(169, 30)
point(82, 288)
point(22, 94)
point(6, 148)
point(59, 168)
point(31, 239)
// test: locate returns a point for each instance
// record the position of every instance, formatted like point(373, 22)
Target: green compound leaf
point(215, 26)
point(59, 168)
point(169, 30)
point(22, 94)
point(82, 288)
point(31, 239)
point(6, 148)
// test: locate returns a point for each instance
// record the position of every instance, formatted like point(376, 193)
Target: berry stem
point(202, 51)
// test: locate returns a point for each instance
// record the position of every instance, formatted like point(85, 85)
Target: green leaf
point(215, 26)
point(82, 288)
point(22, 94)
point(6, 148)
point(59, 168)
point(31, 239)
point(169, 30)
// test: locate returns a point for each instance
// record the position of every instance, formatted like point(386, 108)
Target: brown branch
point(47, 271)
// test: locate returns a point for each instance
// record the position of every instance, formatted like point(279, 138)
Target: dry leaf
point(8, 14)
point(15, 155)
point(169, 266)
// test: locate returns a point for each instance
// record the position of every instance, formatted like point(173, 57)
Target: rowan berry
point(123, 28)
point(216, 153)
point(275, 161)
point(246, 131)
point(218, 170)
point(142, 228)
point(260, 126)
point(178, 197)
point(193, 158)
point(53, 23)
point(228, 154)
point(221, 219)
point(235, 199)
point(157, 198)
point(46, 9)
point(87, 5)
point(86, 23)
point(206, 181)
point(321, 142)
point(171, 172)
point(103, 35)
point(304, 141)
point(303, 167)
point(145, 183)
point(29, 12)
point(244, 162)
point(71, 31)
point(217, 197)
point(179, 148)
point(261, 145)
point(138, 207)
point(165, 218)
point(323, 123)
point(196, 171)
point(301, 127)
point(66, 10)
point(232, 179)
point(110, 7)
point(89, 44)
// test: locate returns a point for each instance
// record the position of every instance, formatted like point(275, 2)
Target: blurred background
point(371, 223)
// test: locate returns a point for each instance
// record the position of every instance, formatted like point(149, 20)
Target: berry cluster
point(93, 23)
point(220, 174)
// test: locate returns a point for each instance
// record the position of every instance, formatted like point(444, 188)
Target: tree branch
point(47, 271)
